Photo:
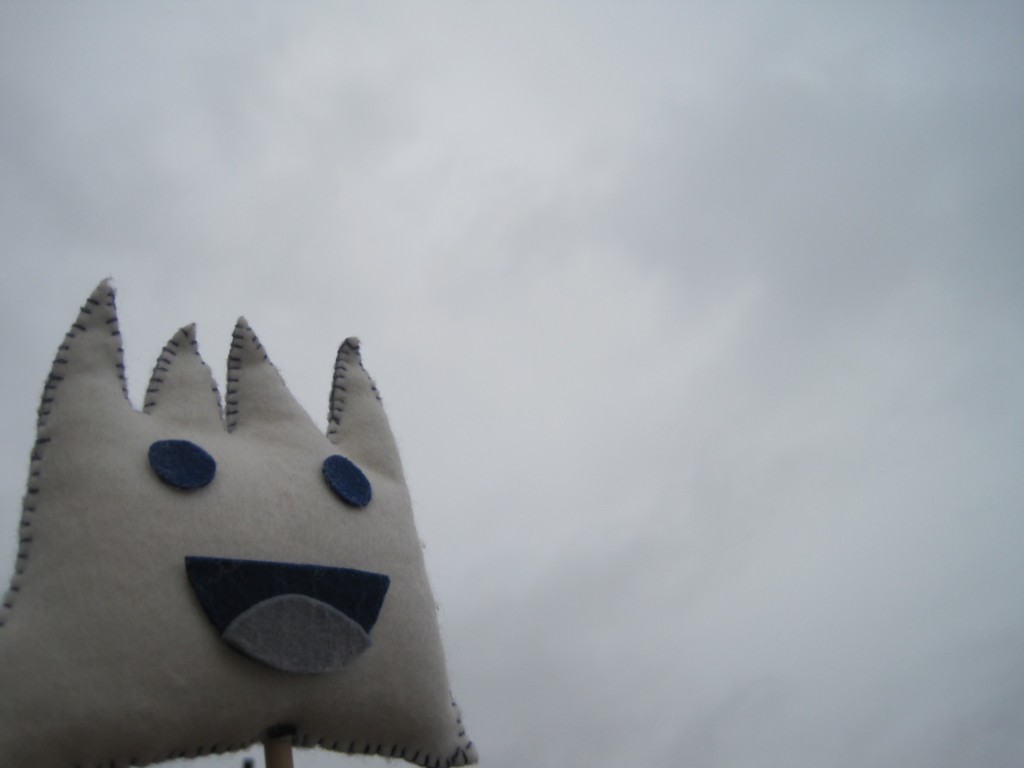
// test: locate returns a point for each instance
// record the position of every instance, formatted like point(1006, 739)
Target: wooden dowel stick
point(277, 752)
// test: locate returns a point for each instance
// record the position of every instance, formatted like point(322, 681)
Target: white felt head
point(109, 654)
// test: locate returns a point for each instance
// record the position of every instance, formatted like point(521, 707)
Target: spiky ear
point(357, 424)
point(87, 377)
point(179, 378)
point(258, 401)
point(86, 383)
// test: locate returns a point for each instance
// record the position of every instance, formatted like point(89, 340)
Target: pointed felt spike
point(182, 390)
point(86, 384)
point(357, 423)
point(256, 396)
point(88, 369)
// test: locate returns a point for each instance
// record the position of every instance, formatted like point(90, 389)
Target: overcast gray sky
point(699, 325)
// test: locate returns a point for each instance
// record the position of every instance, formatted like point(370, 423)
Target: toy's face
point(220, 574)
point(292, 617)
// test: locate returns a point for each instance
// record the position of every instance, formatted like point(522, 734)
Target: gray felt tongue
point(296, 633)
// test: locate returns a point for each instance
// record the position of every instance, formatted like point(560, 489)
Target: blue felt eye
point(182, 464)
point(347, 481)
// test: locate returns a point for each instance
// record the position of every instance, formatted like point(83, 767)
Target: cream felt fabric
point(106, 657)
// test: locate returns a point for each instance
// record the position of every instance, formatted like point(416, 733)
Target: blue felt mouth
point(296, 618)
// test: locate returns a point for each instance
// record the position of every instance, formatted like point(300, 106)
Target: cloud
point(697, 326)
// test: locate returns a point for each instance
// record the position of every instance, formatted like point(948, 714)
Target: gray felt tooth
point(257, 398)
point(182, 390)
point(357, 424)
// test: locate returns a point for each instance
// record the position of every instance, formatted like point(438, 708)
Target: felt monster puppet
point(189, 581)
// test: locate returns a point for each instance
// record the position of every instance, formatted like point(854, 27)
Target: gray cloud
point(698, 326)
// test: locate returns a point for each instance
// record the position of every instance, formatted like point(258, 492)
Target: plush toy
point(191, 579)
